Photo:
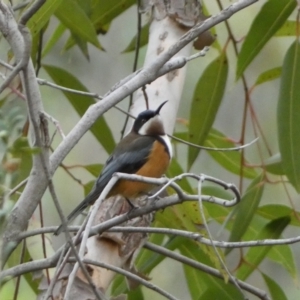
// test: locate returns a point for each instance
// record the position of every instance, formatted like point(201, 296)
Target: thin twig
point(17, 187)
point(135, 62)
point(170, 231)
point(40, 206)
point(17, 286)
point(57, 273)
point(31, 11)
point(39, 53)
point(199, 54)
point(213, 149)
point(233, 279)
point(56, 123)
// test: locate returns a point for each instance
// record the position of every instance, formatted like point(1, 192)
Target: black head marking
point(145, 116)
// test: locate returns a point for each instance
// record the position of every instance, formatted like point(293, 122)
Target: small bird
point(145, 151)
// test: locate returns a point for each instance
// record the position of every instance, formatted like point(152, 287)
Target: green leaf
point(81, 43)
point(94, 169)
point(274, 165)
point(274, 288)
point(283, 256)
point(185, 216)
point(42, 16)
point(58, 32)
point(206, 101)
point(289, 28)
point(74, 18)
point(288, 112)
point(199, 282)
point(246, 209)
point(100, 129)
point(22, 151)
point(230, 160)
point(174, 170)
point(255, 255)
point(275, 211)
point(143, 39)
point(88, 187)
point(135, 294)
point(270, 18)
point(35, 41)
point(268, 75)
point(104, 12)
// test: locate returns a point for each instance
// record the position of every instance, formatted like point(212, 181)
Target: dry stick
point(202, 267)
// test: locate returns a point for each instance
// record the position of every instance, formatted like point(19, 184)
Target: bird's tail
point(76, 211)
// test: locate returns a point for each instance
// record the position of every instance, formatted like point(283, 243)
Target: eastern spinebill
point(145, 151)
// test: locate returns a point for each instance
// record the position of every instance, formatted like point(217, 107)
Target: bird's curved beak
point(159, 108)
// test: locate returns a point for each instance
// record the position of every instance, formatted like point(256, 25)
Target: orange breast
point(156, 166)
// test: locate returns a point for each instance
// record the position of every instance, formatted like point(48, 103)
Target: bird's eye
point(143, 121)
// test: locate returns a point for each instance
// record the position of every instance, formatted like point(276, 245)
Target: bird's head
point(149, 122)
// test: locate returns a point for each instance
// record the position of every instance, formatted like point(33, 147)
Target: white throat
point(168, 144)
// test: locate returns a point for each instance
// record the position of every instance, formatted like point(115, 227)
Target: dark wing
point(128, 157)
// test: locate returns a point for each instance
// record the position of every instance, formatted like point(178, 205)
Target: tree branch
point(51, 262)
point(209, 270)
